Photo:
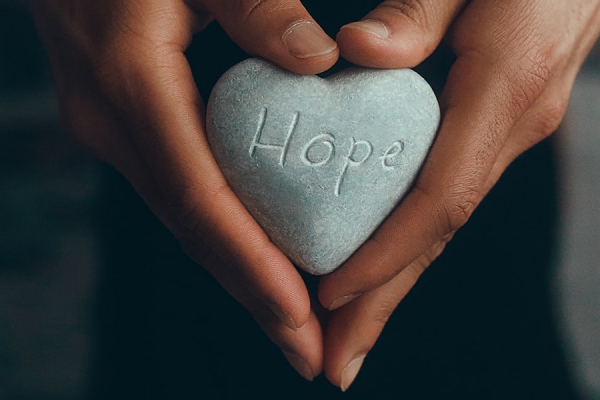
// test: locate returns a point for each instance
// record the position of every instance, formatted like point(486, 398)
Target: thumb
point(281, 31)
point(398, 33)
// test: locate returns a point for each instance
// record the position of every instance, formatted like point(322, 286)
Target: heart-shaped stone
point(320, 163)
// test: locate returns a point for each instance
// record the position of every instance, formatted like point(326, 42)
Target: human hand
point(507, 90)
point(127, 94)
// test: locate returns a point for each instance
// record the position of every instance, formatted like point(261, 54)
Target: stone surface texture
point(320, 163)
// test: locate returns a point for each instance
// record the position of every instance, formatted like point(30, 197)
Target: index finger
point(151, 85)
point(488, 89)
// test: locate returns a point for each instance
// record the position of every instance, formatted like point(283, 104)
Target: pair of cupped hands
point(127, 94)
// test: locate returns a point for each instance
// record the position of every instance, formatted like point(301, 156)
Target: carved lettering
point(283, 148)
point(326, 140)
point(312, 154)
point(395, 149)
point(351, 162)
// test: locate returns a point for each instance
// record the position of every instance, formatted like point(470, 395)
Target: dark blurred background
point(47, 243)
point(49, 238)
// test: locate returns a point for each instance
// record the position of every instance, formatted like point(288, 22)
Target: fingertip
point(378, 44)
point(347, 342)
point(398, 33)
point(281, 32)
point(311, 49)
point(343, 286)
point(303, 349)
point(342, 301)
point(374, 28)
point(326, 298)
point(350, 372)
point(283, 316)
point(271, 277)
point(302, 316)
point(292, 312)
point(302, 367)
point(303, 47)
point(343, 376)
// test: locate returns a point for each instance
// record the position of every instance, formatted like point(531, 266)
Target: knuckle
point(383, 312)
point(249, 9)
point(457, 207)
point(423, 262)
point(255, 6)
point(529, 80)
point(198, 251)
point(185, 203)
point(538, 70)
point(545, 118)
point(453, 208)
point(427, 20)
point(113, 69)
point(187, 210)
point(550, 117)
point(411, 9)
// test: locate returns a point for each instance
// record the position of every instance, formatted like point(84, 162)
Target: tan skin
point(127, 94)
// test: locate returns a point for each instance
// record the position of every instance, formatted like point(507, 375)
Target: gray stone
point(320, 163)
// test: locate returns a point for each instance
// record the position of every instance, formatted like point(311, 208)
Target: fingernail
point(306, 39)
point(349, 373)
point(283, 316)
point(374, 27)
point(337, 303)
point(300, 365)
